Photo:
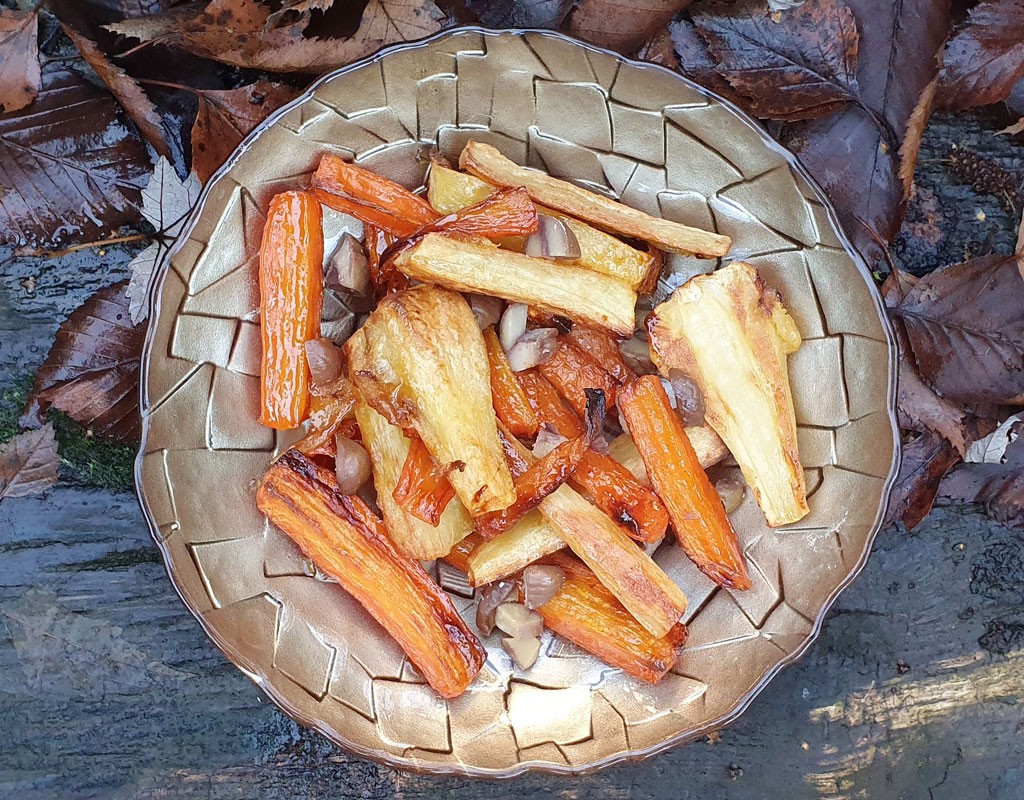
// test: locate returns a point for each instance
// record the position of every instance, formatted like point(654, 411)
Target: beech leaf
point(519, 13)
point(925, 460)
point(92, 370)
point(293, 11)
point(965, 325)
point(235, 32)
point(660, 49)
point(69, 167)
point(985, 57)
point(799, 67)
point(225, 117)
point(695, 61)
point(28, 463)
point(19, 59)
point(621, 26)
point(853, 153)
point(133, 100)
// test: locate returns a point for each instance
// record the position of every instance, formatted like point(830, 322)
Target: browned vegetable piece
point(348, 542)
point(488, 163)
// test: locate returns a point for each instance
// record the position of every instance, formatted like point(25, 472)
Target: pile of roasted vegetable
point(496, 414)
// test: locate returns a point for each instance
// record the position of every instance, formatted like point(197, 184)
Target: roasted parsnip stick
point(420, 360)
point(448, 191)
point(640, 585)
point(480, 266)
point(389, 448)
point(488, 163)
point(531, 538)
point(701, 524)
point(741, 370)
point(587, 614)
point(344, 539)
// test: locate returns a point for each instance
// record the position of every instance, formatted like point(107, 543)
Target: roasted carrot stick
point(604, 349)
point(458, 556)
point(587, 614)
point(508, 212)
point(422, 490)
point(349, 542)
point(548, 405)
point(545, 475)
point(377, 200)
point(368, 214)
point(698, 516)
point(622, 497)
point(571, 371)
point(291, 293)
point(510, 401)
point(612, 488)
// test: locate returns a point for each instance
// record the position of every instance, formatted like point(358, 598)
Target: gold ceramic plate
point(633, 131)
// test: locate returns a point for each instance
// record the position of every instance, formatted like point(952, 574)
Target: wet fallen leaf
point(235, 32)
point(696, 63)
point(985, 57)
point(660, 49)
point(853, 153)
point(1000, 487)
point(925, 460)
point(801, 67)
point(965, 325)
point(92, 370)
point(19, 59)
point(519, 13)
point(166, 203)
point(28, 463)
point(129, 94)
point(69, 168)
point(621, 26)
point(225, 117)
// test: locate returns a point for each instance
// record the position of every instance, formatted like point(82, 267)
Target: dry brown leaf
point(19, 59)
point(92, 370)
point(621, 26)
point(234, 32)
point(28, 463)
point(915, 132)
point(225, 117)
point(519, 13)
point(133, 100)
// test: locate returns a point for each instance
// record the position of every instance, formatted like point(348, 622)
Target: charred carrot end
point(587, 614)
point(291, 289)
point(338, 177)
point(422, 488)
point(347, 541)
point(572, 372)
point(696, 511)
point(604, 349)
point(509, 212)
point(622, 497)
point(370, 215)
point(548, 404)
point(510, 401)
